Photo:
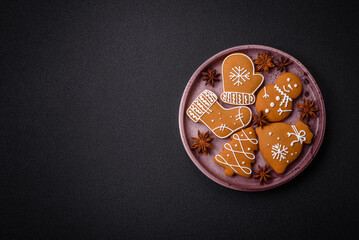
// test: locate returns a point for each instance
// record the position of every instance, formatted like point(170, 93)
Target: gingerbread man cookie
point(281, 143)
point(240, 80)
point(238, 154)
point(221, 121)
point(276, 100)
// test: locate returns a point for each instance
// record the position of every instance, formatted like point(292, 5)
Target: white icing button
point(219, 113)
point(295, 153)
point(278, 138)
point(268, 144)
point(295, 85)
point(220, 118)
point(234, 123)
point(212, 120)
point(227, 155)
point(288, 79)
point(277, 98)
point(230, 116)
point(267, 110)
point(271, 104)
point(243, 162)
point(270, 133)
point(235, 145)
point(287, 161)
point(249, 149)
point(250, 132)
point(241, 135)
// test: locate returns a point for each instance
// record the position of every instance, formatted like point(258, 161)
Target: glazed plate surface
point(189, 128)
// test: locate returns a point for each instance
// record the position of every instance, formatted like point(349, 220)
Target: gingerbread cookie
point(238, 154)
point(281, 143)
point(276, 100)
point(240, 80)
point(221, 121)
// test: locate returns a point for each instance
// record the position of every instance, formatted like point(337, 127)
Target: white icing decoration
point(278, 152)
point(291, 154)
point(240, 98)
point(243, 162)
point(249, 149)
point(249, 155)
point(278, 138)
point(202, 104)
point(288, 79)
point(265, 93)
point(250, 132)
point(268, 144)
point(241, 135)
point(286, 98)
point(281, 111)
point(228, 155)
point(239, 74)
point(230, 116)
point(300, 135)
point(285, 90)
point(295, 153)
point(270, 133)
point(220, 118)
point(266, 111)
point(271, 104)
point(222, 127)
point(277, 98)
point(287, 161)
point(295, 85)
point(239, 116)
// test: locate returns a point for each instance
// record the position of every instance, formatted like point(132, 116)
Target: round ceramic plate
point(188, 128)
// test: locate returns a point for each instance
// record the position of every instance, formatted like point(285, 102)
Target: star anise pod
point(264, 62)
point(210, 76)
point(263, 174)
point(259, 120)
point(307, 109)
point(202, 143)
point(282, 64)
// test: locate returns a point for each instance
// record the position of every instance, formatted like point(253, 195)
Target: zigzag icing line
point(201, 104)
point(285, 98)
point(210, 94)
point(194, 116)
point(238, 97)
point(197, 110)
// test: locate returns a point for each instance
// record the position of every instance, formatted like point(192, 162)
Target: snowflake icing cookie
point(276, 100)
point(238, 154)
point(221, 121)
point(281, 143)
point(240, 80)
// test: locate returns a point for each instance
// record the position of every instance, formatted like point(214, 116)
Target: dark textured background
point(90, 145)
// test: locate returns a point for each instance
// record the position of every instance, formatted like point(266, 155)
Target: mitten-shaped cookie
point(275, 100)
point(222, 122)
point(281, 143)
point(238, 154)
point(240, 80)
